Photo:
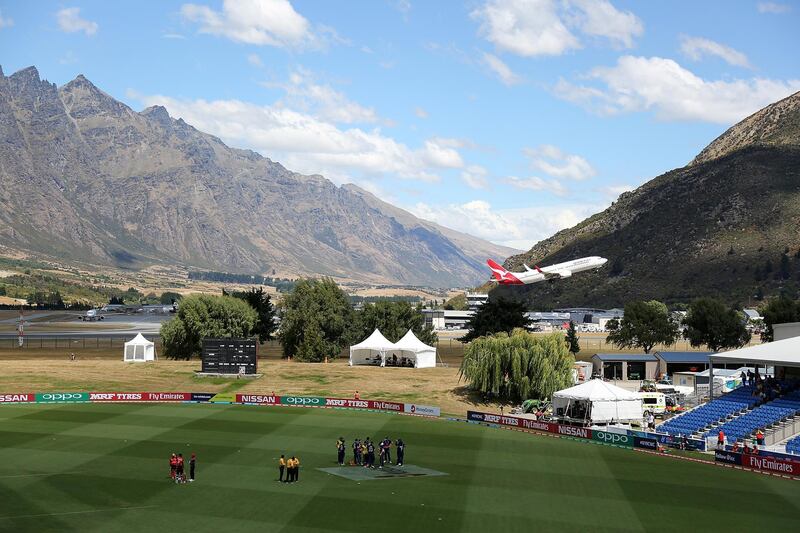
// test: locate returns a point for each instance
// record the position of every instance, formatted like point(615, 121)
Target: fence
point(450, 351)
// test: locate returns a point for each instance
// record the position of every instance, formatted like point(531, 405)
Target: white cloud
point(547, 27)
point(773, 8)
point(255, 60)
point(475, 177)
point(420, 112)
point(442, 153)
point(598, 18)
point(309, 144)
point(554, 162)
point(673, 92)
point(697, 47)
point(535, 183)
point(475, 217)
point(5, 22)
point(305, 93)
point(500, 69)
point(70, 21)
point(525, 27)
point(519, 228)
point(260, 22)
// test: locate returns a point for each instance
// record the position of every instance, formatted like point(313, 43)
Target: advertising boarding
point(762, 463)
point(62, 397)
point(18, 398)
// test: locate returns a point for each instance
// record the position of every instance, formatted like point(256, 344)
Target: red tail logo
point(501, 275)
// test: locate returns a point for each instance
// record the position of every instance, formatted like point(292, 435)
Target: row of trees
point(708, 322)
point(317, 321)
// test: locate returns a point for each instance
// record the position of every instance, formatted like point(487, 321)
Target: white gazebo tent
point(422, 355)
point(598, 402)
point(371, 351)
point(139, 350)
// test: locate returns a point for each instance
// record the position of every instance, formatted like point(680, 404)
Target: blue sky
point(507, 119)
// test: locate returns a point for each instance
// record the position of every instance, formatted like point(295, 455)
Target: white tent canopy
point(598, 402)
point(139, 350)
point(420, 354)
point(371, 351)
point(780, 353)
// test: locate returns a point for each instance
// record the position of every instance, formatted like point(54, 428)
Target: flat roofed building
point(625, 366)
point(671, 362)
point(476, 299)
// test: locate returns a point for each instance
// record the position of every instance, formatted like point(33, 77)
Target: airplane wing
point(554, 275)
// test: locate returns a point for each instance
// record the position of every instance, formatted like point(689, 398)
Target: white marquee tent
point(422, 355)
point(139, 350)
point(598, 402)
point(371, 351)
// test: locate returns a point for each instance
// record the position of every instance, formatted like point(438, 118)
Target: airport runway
point(71, 326)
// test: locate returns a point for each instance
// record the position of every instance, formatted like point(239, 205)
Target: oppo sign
point(52, 397)
point(612, 438)
point(310, 401)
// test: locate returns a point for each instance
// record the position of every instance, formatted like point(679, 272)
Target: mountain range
point(85, 178)
point(726, 225)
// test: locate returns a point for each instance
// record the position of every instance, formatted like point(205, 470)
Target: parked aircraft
point(549, 273)
point(92, 315)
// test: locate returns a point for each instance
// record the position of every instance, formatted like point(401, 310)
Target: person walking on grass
point(282, 469)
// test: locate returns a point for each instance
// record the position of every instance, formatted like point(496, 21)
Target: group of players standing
point(364, 452)
point(176, 468)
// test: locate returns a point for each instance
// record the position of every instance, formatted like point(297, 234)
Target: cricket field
point(104, 468)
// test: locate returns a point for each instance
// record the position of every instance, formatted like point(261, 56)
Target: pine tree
point(572, 339)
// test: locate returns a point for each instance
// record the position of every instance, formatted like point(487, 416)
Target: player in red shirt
point(179, 477)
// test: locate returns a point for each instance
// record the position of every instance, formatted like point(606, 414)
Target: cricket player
point(192, 462)
point(340, 451)
point(282, 469)
point(401, 451)
point(387, 446)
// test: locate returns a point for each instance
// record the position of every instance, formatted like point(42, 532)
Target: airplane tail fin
point(497, 270)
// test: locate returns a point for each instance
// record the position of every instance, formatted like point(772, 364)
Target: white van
point(654, 402)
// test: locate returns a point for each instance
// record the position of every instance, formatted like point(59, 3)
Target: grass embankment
point(103, 468)
point(431, 386)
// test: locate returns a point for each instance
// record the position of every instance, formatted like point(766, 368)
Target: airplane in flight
point(549, 273)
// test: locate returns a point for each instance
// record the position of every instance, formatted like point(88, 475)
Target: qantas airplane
point(550, 273)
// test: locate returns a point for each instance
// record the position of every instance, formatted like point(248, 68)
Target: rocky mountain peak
point(158, 113)
point(84, 100)
point(777, 124)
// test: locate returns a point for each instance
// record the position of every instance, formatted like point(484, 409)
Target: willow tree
point(518, 366)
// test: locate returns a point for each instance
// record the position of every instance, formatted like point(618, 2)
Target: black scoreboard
point(229, 356)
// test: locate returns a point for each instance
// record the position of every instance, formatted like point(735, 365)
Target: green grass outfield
point(103, 467)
